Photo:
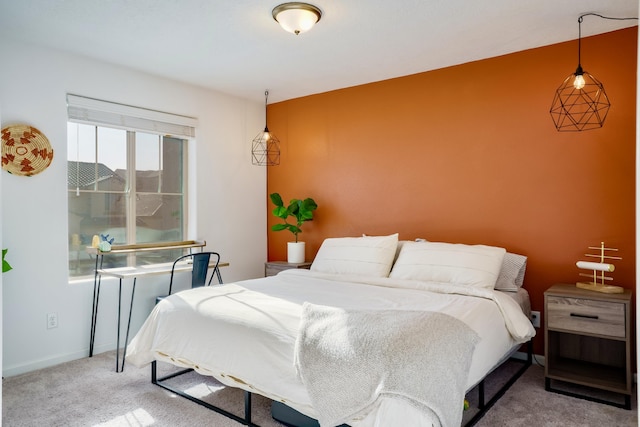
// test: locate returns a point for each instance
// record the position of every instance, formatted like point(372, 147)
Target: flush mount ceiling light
point(580, 103)
point(265, 148)
point(296, 17)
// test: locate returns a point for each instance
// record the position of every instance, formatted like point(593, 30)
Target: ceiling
point(236, 47)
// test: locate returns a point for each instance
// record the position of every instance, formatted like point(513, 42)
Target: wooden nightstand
point(587, 337)
point(271, 268)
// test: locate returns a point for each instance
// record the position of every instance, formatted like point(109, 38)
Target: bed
point(376, 332)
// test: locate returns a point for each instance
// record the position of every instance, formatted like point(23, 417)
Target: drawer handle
point(586, 316)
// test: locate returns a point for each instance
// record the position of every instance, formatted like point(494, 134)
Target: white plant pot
point(295, 252)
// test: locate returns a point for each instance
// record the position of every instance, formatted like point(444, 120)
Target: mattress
point(244, 333)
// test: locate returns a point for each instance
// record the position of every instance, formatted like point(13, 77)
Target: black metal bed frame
point(161, 383)
point(482, 405)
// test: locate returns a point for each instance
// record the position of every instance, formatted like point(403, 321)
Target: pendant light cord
point(266, 97)
point(580, 19)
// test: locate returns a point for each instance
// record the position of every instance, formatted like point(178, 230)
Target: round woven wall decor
point(25, 150)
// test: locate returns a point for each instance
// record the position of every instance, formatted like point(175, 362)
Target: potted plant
point(301, 210)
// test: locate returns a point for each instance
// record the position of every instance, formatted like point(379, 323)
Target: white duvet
point(244, 333)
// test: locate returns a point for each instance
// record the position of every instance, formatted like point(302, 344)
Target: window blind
point(81, 109)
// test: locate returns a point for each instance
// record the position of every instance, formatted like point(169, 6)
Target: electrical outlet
point(52, 320)
point(535, 319)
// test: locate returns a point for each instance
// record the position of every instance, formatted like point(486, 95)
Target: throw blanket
point(348, 360)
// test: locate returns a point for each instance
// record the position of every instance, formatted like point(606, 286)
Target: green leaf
point(293, 207)
point(306, 216)
point(5, 265)
point(278, 227)
point(276, 199)
point(309, 204)
point(281, 212)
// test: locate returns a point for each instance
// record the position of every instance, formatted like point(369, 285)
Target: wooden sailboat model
point(599, 269)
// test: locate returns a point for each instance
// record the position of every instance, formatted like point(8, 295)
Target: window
point(129, 184)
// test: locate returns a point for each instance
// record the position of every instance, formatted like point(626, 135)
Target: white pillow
point(474, 265)
point(398, 249)
point(370, 256)
point(512, 272)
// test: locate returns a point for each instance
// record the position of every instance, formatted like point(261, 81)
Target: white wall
point(229, 200)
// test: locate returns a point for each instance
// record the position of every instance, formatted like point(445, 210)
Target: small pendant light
point(265, 149)
point(580, 103)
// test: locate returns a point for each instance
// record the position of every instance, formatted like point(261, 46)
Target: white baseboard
point(12, 371)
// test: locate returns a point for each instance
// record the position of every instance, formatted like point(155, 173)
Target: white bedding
point(244, 333)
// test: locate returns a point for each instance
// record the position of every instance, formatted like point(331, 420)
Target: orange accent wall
point(469, 154)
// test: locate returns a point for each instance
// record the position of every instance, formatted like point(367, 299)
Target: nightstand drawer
point(586, 316)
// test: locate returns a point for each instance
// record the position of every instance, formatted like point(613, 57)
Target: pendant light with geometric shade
point(265, 148)
point(580, 103)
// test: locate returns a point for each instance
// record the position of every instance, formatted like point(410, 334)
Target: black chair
point(203, 262)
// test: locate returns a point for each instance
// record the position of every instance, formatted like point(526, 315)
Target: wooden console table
point(134, 273)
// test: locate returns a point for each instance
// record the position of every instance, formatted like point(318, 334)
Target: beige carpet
point(87, 392)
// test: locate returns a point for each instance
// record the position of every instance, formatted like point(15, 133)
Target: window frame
point(98, 113)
